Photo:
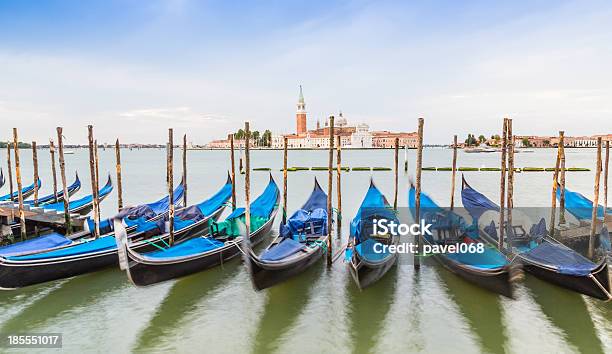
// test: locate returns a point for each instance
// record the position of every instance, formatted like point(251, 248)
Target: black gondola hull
point(581, 284)
point(14, 274)
point(265, 275)
point(499, 281)
point(366, 274)
point(143, 274)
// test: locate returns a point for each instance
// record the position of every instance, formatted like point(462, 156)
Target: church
point(351, 135)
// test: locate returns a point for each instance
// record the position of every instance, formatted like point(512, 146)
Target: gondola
point(580, 206)
point(219, 245)
point(488, 269)
point(1, 178)
point(72, 189)
point(131, 217)
point(540, 254)
point(301, 243)
point(83, 205)
point(89, 255)
point(25, 192)
point(367, 263)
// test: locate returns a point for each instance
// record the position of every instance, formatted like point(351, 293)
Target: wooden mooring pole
point(247, 187)
point(406, 158)
point(170, 177)
point(502, 186)
point(92, 174)
point(97, 194)
point(330, 190)
point(62, 164)
point(562, 178)
point(417, 207)
point(591, 251)
point(233, 171)
point(605, 188)
point(53, 169)
point(553, 202)
point(339, 187)
point(10, 169)
point(510, 191)
point(396, 172)
point(35, 165)
point(22, 224)
point(285, 180)
point(118, 168)
point(454, 174)
point(184, 170)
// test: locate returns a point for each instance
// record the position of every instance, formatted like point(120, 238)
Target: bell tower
point(301, 114)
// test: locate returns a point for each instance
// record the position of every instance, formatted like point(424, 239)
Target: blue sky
point(135, 68)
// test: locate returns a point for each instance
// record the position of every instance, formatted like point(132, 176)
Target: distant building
point(351, 136)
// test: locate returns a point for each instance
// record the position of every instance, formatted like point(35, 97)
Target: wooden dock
point(39, 216)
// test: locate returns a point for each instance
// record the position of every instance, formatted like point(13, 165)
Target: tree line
point(259, 139)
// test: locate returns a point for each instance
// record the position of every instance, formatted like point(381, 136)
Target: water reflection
point(180, 302)
point(71, 295)
point(284, 303)
point(567, 311)
point(481, 309)
point(368, 310)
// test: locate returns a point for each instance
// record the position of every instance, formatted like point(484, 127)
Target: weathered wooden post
point(330, 190)
point(605, 188)
point(502, 191)
point(233, 171)
point(510, 196)
point(284, 180)
point(406, 158)
point(591, 251)
point(417, 206)
point(10, 169)
point(92, 174)
point(53, 170)
point(339, 187)
point(562, 178)
point(170, 178)
point(22, 224)
point(62, 163)
point(97, 194)
point(454, 173)
point(35, 164)
point(185, 170)
point(247, 187)
point(553, 205)
point(395, 169)
point(118, 168)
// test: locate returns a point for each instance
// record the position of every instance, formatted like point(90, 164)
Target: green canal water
point(320, 311)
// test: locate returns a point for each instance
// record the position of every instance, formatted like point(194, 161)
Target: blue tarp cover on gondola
point(187, 248)
point(580, 206)
point(565, 260)
point(283, 249)
point(373, 206)
point(489, 259)
point(312, 216)
point(186, 216)
point(15, 194)
point(42, 242)
point(263, 205)
point(86, 200)
point(102, 244)
point(476, 203)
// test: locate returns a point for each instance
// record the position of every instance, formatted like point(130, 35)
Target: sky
point(135, 68)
